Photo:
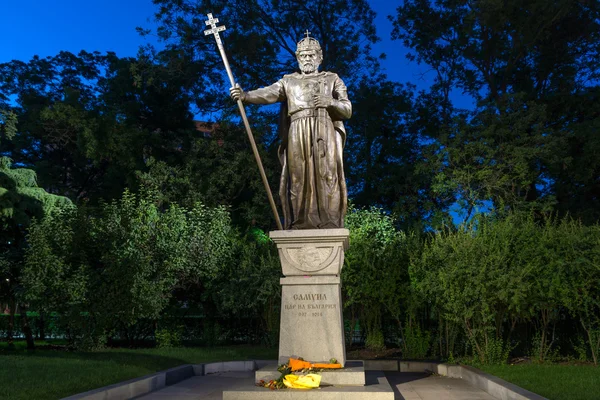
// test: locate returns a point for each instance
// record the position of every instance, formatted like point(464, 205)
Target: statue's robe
point(312, 186)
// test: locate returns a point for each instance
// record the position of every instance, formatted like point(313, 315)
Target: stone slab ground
point(422, 386)
point(385, 379)
point(405, 386)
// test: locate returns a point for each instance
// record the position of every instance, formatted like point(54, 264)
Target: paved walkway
point(407, 386)
point(207, 387)
point(419, 386)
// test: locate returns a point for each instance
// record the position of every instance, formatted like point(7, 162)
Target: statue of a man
point(312, 186)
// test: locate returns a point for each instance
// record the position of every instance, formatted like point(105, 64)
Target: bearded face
point(308, 61)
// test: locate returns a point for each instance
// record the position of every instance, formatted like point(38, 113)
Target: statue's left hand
point(322, 100)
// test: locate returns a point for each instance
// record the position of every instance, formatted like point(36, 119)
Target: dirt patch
point(366, 354)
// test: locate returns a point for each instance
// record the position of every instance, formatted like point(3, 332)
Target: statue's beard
point(308, 67)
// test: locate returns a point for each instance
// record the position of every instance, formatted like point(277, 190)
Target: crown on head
point(308, 43)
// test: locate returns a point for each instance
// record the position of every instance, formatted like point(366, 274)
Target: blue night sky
point(43, 28)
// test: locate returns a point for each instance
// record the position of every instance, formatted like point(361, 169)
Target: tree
point(386, 167)
point(479, 276)
point(577, 256)
point(374, 274)
point(264, 37)
point(531, 68)
point(93, 125)
point(87, 122)
point(8, 124)
point(106, 270)
point(21, 201)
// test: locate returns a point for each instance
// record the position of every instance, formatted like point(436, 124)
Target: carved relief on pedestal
point(309, 258)
point(311, 251)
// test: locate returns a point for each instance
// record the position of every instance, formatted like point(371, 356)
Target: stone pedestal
point(312, 326)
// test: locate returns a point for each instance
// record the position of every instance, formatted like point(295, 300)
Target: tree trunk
point(447, 339)
point(590, 341)
point(441, 341)
point(27, 328)
point(11, 323)
point(42, 326)
point(401, 330)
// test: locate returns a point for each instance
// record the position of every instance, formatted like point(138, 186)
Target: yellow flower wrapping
point(308, 381)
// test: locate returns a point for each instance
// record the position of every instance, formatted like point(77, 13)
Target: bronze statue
point(312, 186)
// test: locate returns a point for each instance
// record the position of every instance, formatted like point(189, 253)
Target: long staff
point(212, 22)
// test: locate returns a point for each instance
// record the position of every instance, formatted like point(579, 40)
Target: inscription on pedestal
point(311, 322)
point(310, 305)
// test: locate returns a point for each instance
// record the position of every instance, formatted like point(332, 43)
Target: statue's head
point(309, 55)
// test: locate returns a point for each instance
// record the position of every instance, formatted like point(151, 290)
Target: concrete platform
point(376, 388)
point(421, 386)
point(401, 380)
point(353, 374)
point(207, 387)
point(401, 386)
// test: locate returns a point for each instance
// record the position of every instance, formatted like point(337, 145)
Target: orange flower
point(297, 365)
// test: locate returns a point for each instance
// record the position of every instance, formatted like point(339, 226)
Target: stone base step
point(353, 374)
point(376, 388)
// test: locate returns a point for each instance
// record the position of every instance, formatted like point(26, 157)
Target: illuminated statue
point(312, 186)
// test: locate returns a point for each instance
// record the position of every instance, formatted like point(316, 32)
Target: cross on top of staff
point(214, 28)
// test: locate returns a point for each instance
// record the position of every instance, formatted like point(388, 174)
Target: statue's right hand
point(237, 93)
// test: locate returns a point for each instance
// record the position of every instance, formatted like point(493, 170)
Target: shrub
point(417, 343)
point(105, 270)
point(166, 338)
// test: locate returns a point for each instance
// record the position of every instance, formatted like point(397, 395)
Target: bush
point(375, 273)
point(417, 343)
point(166, 338)
point(491, 273)
point(103, 271)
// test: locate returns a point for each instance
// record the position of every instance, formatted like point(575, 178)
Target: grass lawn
point(53, 374)
point(553, 381)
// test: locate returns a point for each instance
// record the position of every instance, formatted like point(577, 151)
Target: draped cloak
point(312, 186)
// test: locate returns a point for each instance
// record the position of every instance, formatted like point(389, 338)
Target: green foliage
point(384, 155)
point(109, 268)
point(86, 126)
point(8, 124)
point(219, 170)
point(417, 342)
point(497, 351)
point(374, 340)
point(375, 272)
point(487, 275)
point(581, 348)
point(470, 275)
point(54, 273)
point(266, 34)
point(490, 156)
point(21, 199)
point(254, 266)
point(21, 202)
point(543, 351)
point(530, 69)
point(168, 337)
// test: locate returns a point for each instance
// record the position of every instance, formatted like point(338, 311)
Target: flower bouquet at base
point(308, 380)
point(298, 364)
